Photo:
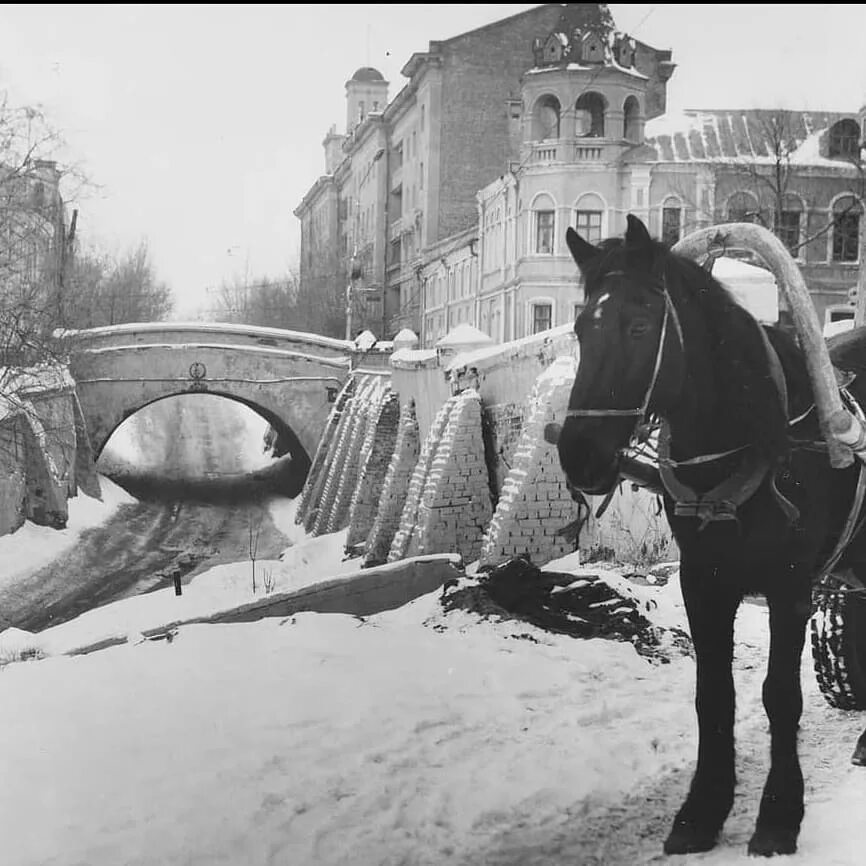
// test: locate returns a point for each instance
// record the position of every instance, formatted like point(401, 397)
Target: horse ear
point(582, 251)
point(636, 233)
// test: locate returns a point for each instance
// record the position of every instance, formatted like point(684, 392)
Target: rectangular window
point(544, 231)
point(542, 317)
point(788, 230)
point(588, 225)
point(846, 236)
point(671, 221)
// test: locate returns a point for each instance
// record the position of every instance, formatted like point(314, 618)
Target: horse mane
point(735, 348)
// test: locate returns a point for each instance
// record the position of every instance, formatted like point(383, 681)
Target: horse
point(748, 491)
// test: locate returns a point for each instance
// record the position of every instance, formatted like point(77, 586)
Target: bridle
point(640, 413)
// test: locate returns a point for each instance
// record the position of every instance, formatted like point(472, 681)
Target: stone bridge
point(291, 379)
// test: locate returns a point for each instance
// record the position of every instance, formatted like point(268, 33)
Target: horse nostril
point(552, 433)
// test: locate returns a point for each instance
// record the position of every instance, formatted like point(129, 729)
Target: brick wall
point(365, 502)
point(534, 502)
point(393, 495)
point(455, 505)
point(417, 480)
point(363, 411)
point(505, 425)
point(342, 450)
point(308, 507)
point(480, 71)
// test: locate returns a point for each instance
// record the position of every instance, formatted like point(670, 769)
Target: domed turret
point(366, 93)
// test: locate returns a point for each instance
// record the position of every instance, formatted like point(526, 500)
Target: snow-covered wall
point(45, 455)
point(469, 470)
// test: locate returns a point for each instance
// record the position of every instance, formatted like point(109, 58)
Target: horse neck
point(708, 417)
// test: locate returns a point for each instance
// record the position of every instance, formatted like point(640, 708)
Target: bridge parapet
point(290, 378)
point(221, 333)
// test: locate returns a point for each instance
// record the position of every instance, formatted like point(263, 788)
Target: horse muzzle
point(585, 466)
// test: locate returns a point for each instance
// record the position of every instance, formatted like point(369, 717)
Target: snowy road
point(137, 551)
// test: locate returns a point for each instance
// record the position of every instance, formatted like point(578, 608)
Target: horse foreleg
point(711, 610)
point(781, 812)
point(859, 756)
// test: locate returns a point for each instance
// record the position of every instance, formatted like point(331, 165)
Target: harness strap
point(722, 501)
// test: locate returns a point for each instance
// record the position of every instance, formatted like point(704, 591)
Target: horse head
point(631, 354)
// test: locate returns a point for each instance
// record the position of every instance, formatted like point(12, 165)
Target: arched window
point(588, 216)
point(789, 223)
point(589, 115)
point(743, 208)
point(844, 140)
point(545, 119)
point(847, 212)
point(631, 119)
point(544, 218)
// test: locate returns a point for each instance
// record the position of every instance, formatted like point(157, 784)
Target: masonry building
point(449, 204)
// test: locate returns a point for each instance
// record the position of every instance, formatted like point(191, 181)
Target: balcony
point(566, 151)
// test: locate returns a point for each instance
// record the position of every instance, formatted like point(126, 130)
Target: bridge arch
point(289, 379)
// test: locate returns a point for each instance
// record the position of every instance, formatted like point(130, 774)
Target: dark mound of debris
point(583, 606)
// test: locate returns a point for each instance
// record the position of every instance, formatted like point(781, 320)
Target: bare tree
point(268, 301)
point(773, 179)
point(107, 290)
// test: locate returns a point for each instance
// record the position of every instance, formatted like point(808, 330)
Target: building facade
point(451, 204)
point(796, 173)
point(405, 173)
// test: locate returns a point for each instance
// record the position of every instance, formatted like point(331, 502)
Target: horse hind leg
point(781, 811)
point(711, 611)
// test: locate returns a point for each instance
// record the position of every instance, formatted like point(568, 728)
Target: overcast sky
point(202, 125)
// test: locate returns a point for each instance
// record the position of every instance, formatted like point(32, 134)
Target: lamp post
point(353, 272)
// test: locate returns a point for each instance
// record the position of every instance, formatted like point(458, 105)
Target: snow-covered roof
point(745, 136)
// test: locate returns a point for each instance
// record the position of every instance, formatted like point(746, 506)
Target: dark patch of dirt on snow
point(579, 605)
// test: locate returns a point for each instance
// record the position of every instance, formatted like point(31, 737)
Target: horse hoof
point(859, 756)
point(770, 841)
point(688, 839)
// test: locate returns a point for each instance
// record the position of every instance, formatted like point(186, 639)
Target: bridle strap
point(670, 314)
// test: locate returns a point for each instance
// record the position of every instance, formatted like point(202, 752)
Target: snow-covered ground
point(32, 546)
point(324, 739)
point(411, 737)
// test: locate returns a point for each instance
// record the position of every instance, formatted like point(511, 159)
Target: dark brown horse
point(749, 493)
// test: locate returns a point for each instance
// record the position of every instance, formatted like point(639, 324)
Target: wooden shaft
point(833, 417)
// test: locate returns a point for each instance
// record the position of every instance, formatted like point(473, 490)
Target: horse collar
point(723, 500)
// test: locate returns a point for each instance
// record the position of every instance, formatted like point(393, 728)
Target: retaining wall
point(45, 455)
point(468, 471)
